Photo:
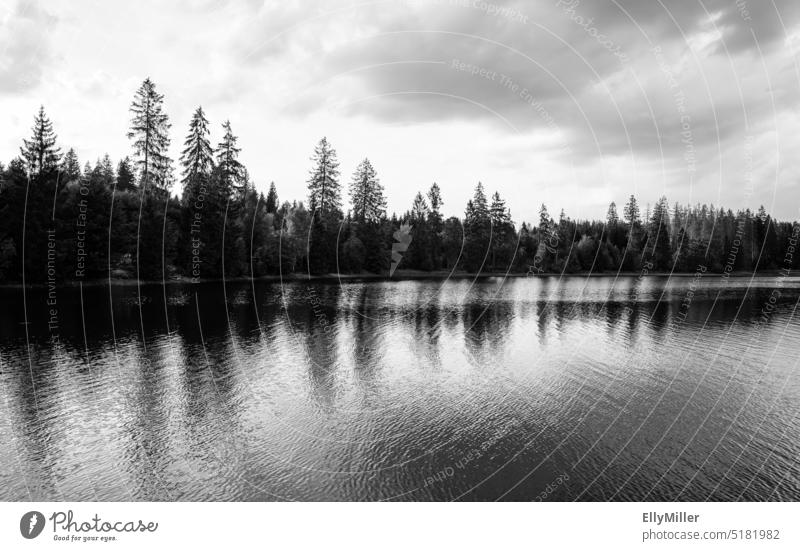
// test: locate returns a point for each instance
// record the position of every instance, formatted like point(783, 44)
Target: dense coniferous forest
point(63, 221)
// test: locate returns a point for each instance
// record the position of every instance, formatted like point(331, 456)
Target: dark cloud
point(587, 70)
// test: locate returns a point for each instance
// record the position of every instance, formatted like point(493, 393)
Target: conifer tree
point(126, 180)
point(502, 232)
point(480, 204)
point(436, 223)
point(498, 212)
point(40, 152)
point(272, 199)
point(436, 203)
point(150, 134)
point(232, 173)
point(366, 194)
point(197, 157)
point(70, 166)
point(419, 209)
point(631, 212)
point(658, 244)
point(611, 217)
point(323, 181)
point(107, 170)
point(477, 230)
point(544, 218)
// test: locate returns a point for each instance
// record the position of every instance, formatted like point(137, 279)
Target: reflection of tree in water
point(486, 327)
point(661, 316)
point(320, 348)
point(367, 347)
point(543, 315)
point(148, 455)
point(427, 321)
point(635, 314)
point(613, 314)
point(31, 420)
point(316, 319)
point(563, 313)
point(244, 310)
point(365, 344)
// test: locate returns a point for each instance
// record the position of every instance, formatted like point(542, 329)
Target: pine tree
point(502, 231)
point(231, 171)
point(614, 231)
point(71, 167)
point(436, 223)
point(366, 194)
point(544, 218)
point(126, 180)
point(498, 212)
point(272, 199)
point(40, 152)
point(419, 253)
point(658, 244)
point(150, 134)
point(612, 219)
point(631, 212)
point(197, 157)
point(477, 230)
point(323, 182)
point(480, 204)
point(107, 168)
point(436, 203)
point(419, 209)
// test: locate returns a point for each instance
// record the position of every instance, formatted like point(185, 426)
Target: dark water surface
point(524, 389)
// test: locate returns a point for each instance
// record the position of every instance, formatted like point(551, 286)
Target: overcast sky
point(570, 103)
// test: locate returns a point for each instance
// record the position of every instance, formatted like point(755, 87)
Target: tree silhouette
point(150, 134)
point(40, 152)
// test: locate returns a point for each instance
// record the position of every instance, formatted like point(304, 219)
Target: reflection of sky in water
point(407, 390)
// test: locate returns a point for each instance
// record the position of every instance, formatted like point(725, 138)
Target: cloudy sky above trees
point(571, 103)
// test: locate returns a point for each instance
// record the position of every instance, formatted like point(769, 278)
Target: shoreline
point(399, 275)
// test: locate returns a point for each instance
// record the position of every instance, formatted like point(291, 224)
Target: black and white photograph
point(262, 251)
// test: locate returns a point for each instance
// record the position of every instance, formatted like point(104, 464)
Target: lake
point(545, 389)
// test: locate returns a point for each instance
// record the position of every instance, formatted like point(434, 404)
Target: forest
point(60, 221)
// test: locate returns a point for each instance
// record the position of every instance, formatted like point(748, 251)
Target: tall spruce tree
point(70, 166)
point(420, 253)
point(502, 232)
point(658, 242)
point(480, 204)
point(612, 218)
point(366, 194)
point(477, 230)
point(498, 212)
point(544, 218)
point(106, 171)
point(323, 182)
point(272, 199)
point(197, 157)
point(150, 134)
point(126, 179)
point(631, 212)
point(436, 203)
point(231, 171)
point(436, 223)
point(419, 209)
point(40, 152)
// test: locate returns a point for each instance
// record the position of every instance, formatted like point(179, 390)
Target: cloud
point(614, 77)
point(26, 50)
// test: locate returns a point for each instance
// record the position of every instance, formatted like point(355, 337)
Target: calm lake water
point(523, 389)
